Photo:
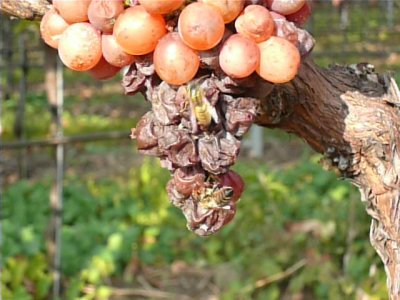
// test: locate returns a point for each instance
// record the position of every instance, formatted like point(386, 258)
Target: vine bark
point(25, 9)
point(351, 115)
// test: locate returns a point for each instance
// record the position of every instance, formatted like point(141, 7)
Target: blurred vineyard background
point(299, 233)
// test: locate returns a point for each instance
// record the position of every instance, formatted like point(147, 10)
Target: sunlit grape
point(138, 31)
point(239, 56)
point(51, 28)
point(279, 60)
point(103, 70)
point(256, 23)
point(79, 47)
point(113, 53)
point(103, 13)
point(285, 7)
point(161, 6)
point(201, 26)
point(229, 9)
point(72, 11)
point(174, 61)
point(301, 16)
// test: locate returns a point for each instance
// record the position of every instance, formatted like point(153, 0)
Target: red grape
point(229, 9)
point(279, 60)
point(161, 6)
point(256, 23)
point(201, 26)
point(103, 70)
point(239, 56)
point(137, 31)
point(72, 11)
point(285, 7)
point(51, 28)
point(113, 53)
point(79, 47)
point(174, 61)
point(103, 13)
point(301, 16)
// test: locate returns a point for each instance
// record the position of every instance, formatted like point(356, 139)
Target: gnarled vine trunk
point(351, 115)
point(25, 9)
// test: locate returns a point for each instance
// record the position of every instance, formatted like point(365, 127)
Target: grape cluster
point(203, 66)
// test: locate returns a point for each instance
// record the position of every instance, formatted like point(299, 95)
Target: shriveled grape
point(161, 6)
point(113, 53)
point(279, 60)
point(239, 56)
point(79, 47)
point(103, 70)
point(51, 28)
point(229, 9)
point(233, 180)
point(73, 11)
point(102, 14)
point(256, 23)
point(174, 61)
point(201, 26)
point(137, 31)
point(285, 7)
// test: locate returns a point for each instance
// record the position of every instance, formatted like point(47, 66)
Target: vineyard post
point(19, 123)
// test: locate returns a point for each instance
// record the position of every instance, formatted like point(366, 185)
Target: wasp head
point(228, 192)
point(195, 93)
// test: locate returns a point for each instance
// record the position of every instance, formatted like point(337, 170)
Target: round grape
point(239, 56)
point(201, 26)
point(279, 60)
point(79, 47)
point(137, 31)
point(51, 28)
point(174, 61)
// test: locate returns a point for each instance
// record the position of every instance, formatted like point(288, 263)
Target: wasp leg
point(213, 111)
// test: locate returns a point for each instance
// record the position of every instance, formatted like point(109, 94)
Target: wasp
point(202, 112)
point(215, 197)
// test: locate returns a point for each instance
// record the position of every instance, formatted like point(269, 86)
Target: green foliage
point(107, 224)
point(37, 112)
point(112, 223)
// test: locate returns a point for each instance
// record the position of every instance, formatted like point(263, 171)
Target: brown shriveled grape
point(79, 47)
point(279, 60)
point(301, 16)
point(229, 9)
point(137, 31)
point(161, 6)
point(103, 13)
point(174, 61)
point(103, 70)
point(201, 26)
point(72, 11)
point(256, 23)
point(113, 53)
point(51, 28)
point(285, 7)
point(239, 56)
